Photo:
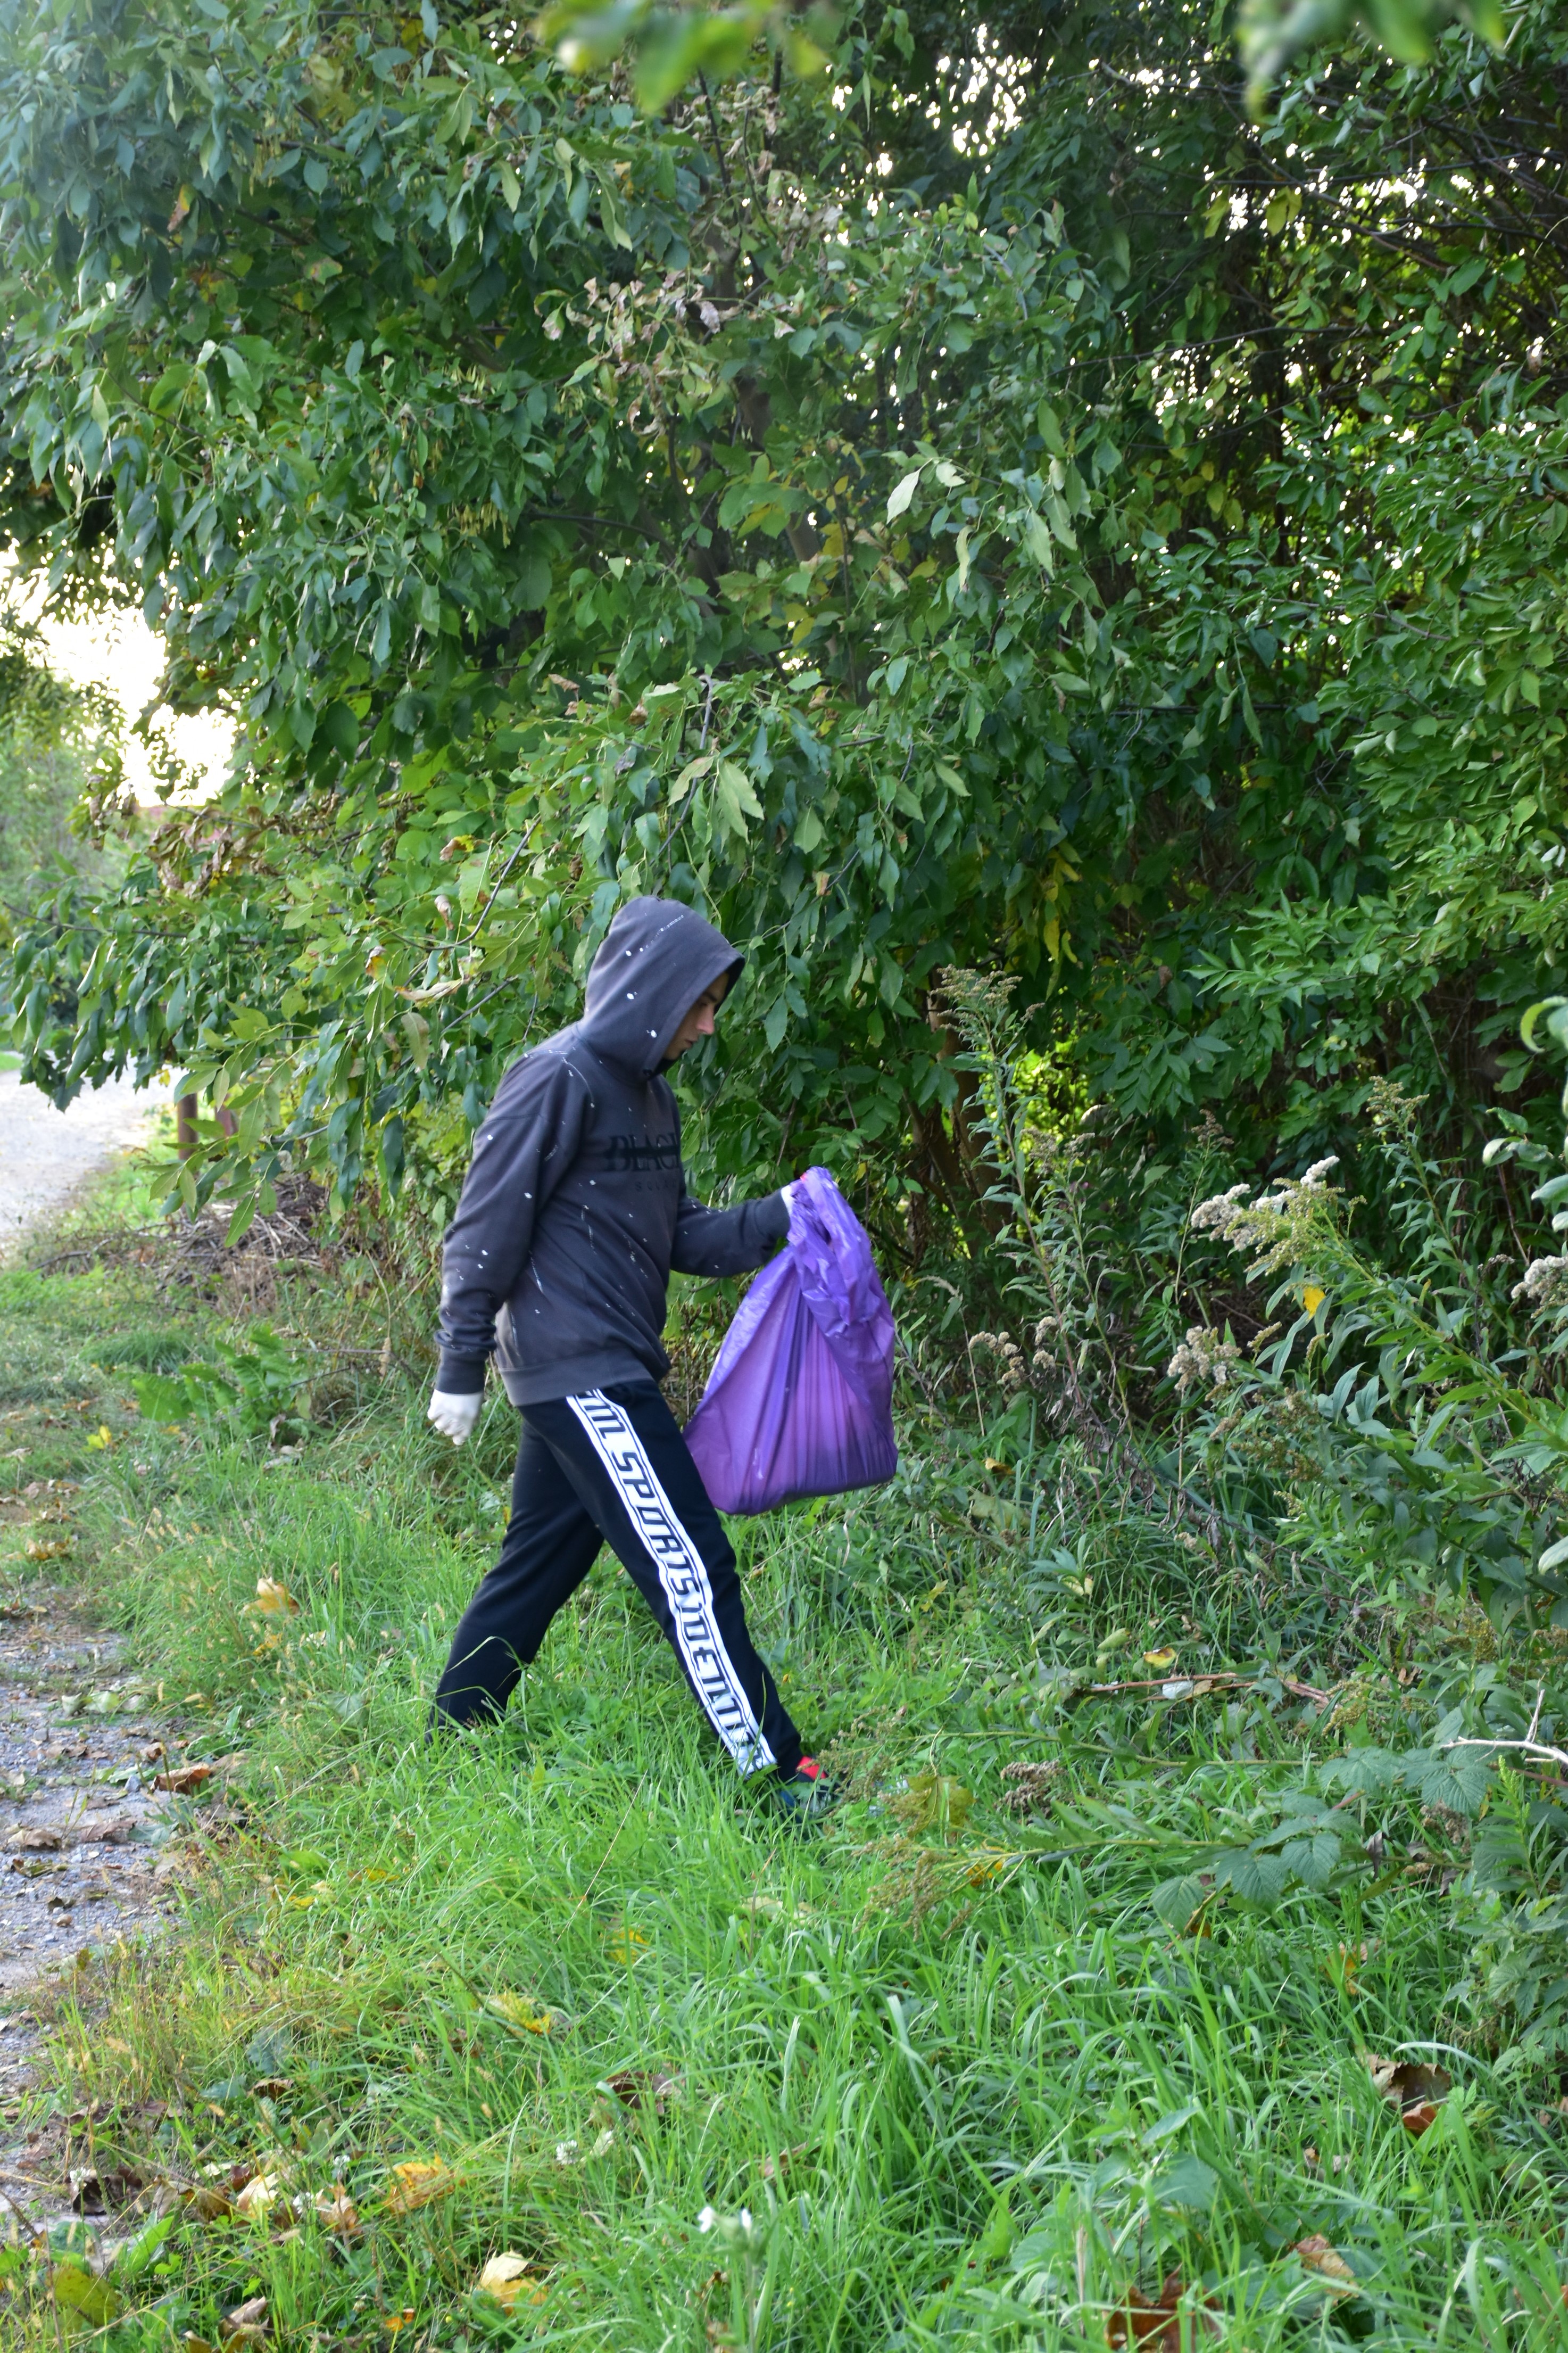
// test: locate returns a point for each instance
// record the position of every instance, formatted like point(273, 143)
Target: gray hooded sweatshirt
point(574, 1207)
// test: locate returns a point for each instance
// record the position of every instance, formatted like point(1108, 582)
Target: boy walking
point(574, 1211)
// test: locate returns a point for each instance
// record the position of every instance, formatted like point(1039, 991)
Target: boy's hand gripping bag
point(800, 1400)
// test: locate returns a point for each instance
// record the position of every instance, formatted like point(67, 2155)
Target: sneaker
point(806, 1794)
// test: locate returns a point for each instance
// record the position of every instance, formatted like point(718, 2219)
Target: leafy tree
point(990, 503)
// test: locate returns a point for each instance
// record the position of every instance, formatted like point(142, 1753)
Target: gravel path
point(92, 1799)
point(45, 1153)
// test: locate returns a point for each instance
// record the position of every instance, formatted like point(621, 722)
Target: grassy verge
point(962, 2071)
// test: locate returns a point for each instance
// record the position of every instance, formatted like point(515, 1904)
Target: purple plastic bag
point(800, 1401)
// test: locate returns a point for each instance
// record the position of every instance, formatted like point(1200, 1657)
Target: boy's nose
point(705, 1021)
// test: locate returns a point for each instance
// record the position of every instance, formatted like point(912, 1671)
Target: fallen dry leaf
point(502, 2278)
point(1158, 2324)
point(638, 2087)
point(259, 2195)
point(271, 2087)
point(419, 2182)
point(92, 2192)
point(273, 1600)
point(181, 1778)
point(119, 1831)
point(207, 2201)
point(1320, 2255)
point(47, 1548)
point(246, 2323)
point(336, 2211)
point(40, 1840)
point(1415, 2090)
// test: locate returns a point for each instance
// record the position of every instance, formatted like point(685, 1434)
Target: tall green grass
point(936, 2077)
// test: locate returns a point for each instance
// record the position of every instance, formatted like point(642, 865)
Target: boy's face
point(699, 1022)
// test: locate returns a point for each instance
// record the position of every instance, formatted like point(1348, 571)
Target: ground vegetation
point(1151, 1984)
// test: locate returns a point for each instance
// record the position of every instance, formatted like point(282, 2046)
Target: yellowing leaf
point(77, 2290)
point(1159, 1659)
point(419, 2182)
point(1312, 1298)
point(524, 2015)
point(690, 775)
point(628, 1946)
point(336, 2211)
point(1318, 2255)
point(934, 1802)
point(257, 2196)
point(503, 2278)
point(273, 1600)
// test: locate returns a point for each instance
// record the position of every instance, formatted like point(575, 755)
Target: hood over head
point(656, 959)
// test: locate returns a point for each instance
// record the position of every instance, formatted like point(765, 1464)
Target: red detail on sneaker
point(808, 1769)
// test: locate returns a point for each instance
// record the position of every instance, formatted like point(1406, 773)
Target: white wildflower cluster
point(1545, 1279)
point(1203, 1360)
point(1011, 1369)
point(1275, 1228)
point(1015, 1371)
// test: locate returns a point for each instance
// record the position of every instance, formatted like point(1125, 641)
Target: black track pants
point(611, 1467)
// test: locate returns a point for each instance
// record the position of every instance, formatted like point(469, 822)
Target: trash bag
point(800, 1401)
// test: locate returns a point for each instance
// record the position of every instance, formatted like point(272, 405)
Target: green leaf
point(171, 388)
point(1187, 2183)
point(735, 796)
point(1038, 539)
point(1177, 1901)
point(533, 584)
point(83, 2295)
point(902, 492)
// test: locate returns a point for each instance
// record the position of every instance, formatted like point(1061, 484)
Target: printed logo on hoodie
point(634, 1154)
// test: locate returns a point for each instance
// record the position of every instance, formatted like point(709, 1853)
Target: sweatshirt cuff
point(461, 1375)
point(772, 1216)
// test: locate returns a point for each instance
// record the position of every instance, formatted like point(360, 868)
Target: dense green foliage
point(995, 2052)
point(59, 762)
point(1042, 520)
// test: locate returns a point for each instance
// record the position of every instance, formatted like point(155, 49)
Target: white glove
point(454, 1416)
